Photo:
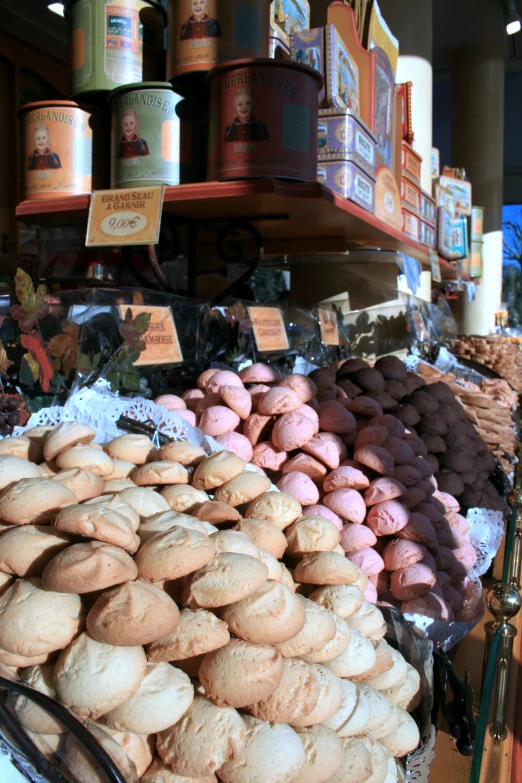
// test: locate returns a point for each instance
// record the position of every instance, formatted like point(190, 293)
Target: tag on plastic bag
point(411, 269)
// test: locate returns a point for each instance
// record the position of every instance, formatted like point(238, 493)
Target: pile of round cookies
point(202, 625)
point(490, 408)
point(344, 458)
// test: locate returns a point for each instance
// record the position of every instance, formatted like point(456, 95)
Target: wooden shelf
point(293, 217)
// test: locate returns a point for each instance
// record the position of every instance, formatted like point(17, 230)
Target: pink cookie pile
point(329, 443)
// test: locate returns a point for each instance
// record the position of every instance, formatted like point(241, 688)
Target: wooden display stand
point(292, 217)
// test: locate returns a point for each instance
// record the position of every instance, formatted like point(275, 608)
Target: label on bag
point(269, 328)
point(129, 216)
point(329, 327)
point(161, 338)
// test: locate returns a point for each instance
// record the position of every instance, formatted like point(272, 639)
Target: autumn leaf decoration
point(32, 306)
point(121, 372)
point(34, 344)
point(29, 311)
point(5, 363)
point(65, 348)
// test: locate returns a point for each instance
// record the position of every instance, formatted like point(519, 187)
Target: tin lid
point(347, 162)
point(264, 62)
point(153, 3)
point(51, 104)
point(141, 86)
point(347, 113)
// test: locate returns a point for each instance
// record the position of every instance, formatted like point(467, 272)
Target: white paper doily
point(101, 408)
point(418, 763)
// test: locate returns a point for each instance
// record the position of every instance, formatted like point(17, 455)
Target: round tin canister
point(263, 120)
point(144, 135)
point(59, 149)
point(206, 33)
point(114, 42)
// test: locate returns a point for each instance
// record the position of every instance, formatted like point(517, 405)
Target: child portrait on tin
point(200, 24)
point(245, 127)
point(131, 145)
point(42, 157)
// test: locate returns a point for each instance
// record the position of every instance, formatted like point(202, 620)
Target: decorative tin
point(379, 35)
point(428, 208)
point(473, 264)
point(445, 198)
point(427, 234)
point(342, 73)
point(342, 16)
point(349, 181)
point(263, 120)
point(384, 97)
point(405, 91)
point(452, 236)
point(57, 143)
point(387, 198)
point(477, 224)
point(411, 162)
point(435, 163)
point(114, 42)
point(279, 45)
point(411, 195)
point(411, 225)
point(289, 16)
point(343, 136)
point(307, 48)
point(461, 190)
point(207, 33)
point(145, 136)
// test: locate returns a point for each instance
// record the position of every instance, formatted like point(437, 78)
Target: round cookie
point(240, 673)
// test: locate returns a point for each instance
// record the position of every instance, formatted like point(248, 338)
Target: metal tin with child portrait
point(145, 135)
point(263, 120)
point(206, 33)
point(57, 143)
point(114, 42)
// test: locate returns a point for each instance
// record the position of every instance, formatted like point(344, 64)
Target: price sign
point(161, 338)
point(130, 216)
point(329, 327)
point(435, 266)
point(269, 328)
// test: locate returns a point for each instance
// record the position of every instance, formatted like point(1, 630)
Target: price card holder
point(130, 216)
point(269, 329)
point(161, 338)
point(435, 266)
point(329, 327)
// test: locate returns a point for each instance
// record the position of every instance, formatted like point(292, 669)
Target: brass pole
point(516, 552)
point(503, 601)
point(498, 728)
